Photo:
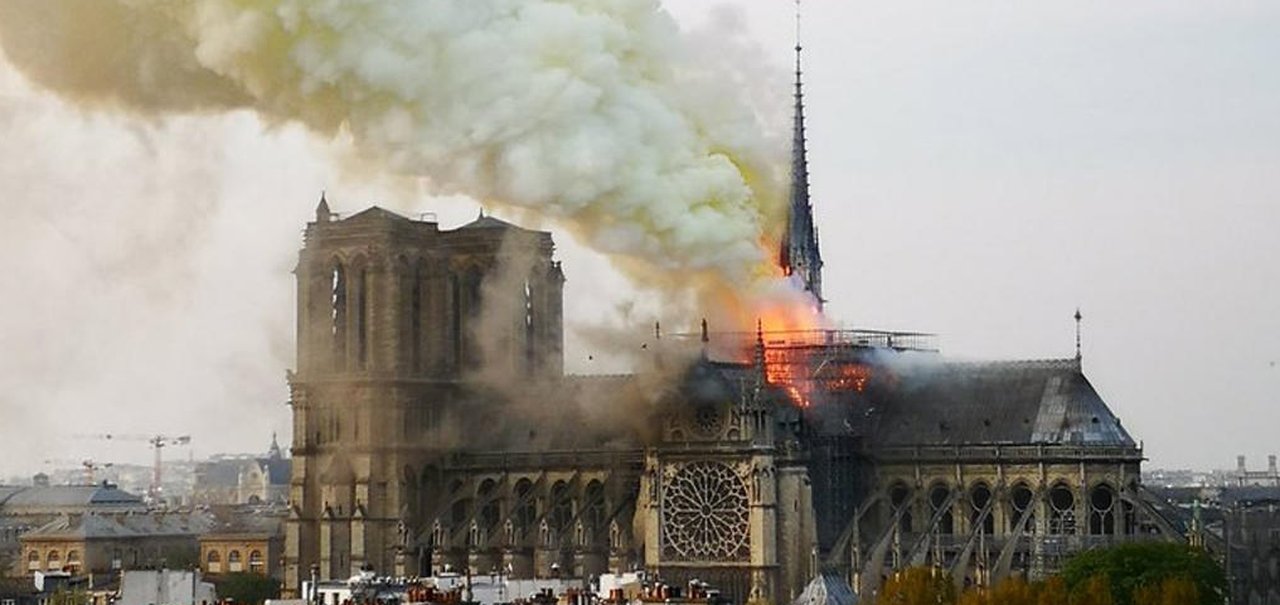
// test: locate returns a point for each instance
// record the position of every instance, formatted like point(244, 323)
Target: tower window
point(415, 319)
point(338, 313)
point(530, 331)
point(362, 318)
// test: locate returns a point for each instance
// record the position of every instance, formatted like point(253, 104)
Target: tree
point(63, 596)
point(1052, 592)
point(1129, 567)
point(1012, 591)
point(918, 586)
point(1094, 591)
point(1170, 591)
point(248, 588)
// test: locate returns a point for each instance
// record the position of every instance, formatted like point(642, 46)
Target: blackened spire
point(800, 255)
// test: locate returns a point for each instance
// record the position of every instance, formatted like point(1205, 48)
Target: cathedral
point(435, 428)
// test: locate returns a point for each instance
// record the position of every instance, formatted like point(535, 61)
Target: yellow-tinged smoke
point(586, 111)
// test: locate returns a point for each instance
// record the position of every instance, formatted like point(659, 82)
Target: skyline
point(981, 178)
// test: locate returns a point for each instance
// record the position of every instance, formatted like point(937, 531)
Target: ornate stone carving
point(705, 513)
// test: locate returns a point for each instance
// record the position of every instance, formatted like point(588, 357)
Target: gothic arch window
point(979, 498)
point(491, 509)
point(362, 317)
point(455, 317)
point(1020, 497)
point(1102, 516)
point(940, 507)
point(595, 504)
point(256, 562)
point(53, 560)
point(527, 511)
point(1062, 514)
point(416, 304)
point(338, 312)
point(530, 327)
point(561, 506)
point(460, 510)
point(410, 480)
point(33, 560)
point(900, 499)
point(73, 561)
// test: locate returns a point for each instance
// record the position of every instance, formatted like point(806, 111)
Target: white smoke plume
point(589, 112)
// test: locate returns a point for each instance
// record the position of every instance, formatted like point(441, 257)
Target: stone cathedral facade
point(434, 429)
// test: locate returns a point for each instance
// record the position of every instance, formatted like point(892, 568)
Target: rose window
point(709, 421)
point(704, 509)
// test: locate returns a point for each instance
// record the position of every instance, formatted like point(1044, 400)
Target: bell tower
point(394, 317)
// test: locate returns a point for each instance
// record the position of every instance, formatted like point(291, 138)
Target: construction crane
point(157, 443)
point(90, 467)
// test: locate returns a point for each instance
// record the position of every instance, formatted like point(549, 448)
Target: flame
point(795, 335)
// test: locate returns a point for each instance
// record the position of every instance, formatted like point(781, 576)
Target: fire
point(785, 321)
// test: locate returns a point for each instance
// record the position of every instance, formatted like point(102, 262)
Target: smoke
point(594, 113)
point(533, 407)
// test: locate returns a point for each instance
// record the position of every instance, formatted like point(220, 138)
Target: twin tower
point(394, 315)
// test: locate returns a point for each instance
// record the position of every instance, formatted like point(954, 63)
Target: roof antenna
point(1078, 317)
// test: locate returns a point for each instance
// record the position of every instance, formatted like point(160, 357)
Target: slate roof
point(66, 496)
point(278, 470)
point(239, 520)
point(121, 525)
point(1014, 402)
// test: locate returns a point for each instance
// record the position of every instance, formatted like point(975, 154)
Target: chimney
point(1240, 464)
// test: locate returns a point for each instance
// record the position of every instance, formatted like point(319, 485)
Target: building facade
point(101, 543)
point(386, 314)
point(434, 430)
point(24, 508)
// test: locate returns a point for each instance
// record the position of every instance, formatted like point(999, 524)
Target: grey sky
point(978, 170)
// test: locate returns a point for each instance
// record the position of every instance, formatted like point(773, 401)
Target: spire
point(1078, 317)
point(323, 214)
point(800, 254)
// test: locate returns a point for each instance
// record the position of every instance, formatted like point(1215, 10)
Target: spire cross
point(1078, 317)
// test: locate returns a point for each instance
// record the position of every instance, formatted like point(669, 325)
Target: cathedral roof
point(1016, 402)
point(377, 213)
point(490, 222)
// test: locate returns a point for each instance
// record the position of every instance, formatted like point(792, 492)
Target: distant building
point(1250, 537)
point(27, 507)
point(171, 587)
point(244, 541)
point(107, 542)
point(243, 479)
